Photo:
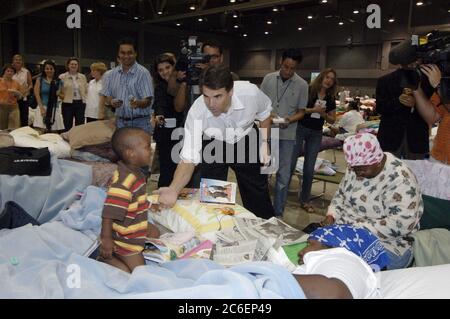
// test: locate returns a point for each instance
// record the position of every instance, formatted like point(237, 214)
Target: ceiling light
point(419, 3)
point(267, 32)
point(341, 22)
point(192, 7)
point(235, 15)
point(136, 18)
point(391, 19)
point(112, 5)
point(269, 21)
point(300, 28)
point(356, 11)
point(244, 35)
point(232, 1)
point(160, 12)
point(200, 19)
point(323, 1)
point(178, 24)
point(89, 10)
point(236, 26)
point(310, 16)
point(275, 9)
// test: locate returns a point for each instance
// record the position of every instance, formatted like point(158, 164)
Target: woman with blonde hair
point(321, 107)
point(94, 110)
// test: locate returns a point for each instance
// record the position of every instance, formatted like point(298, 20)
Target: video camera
point(191, 55)
point(433, 48)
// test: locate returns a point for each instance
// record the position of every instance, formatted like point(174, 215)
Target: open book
point(218, 192)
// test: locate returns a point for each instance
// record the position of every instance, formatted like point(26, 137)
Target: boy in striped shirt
point(125, 225)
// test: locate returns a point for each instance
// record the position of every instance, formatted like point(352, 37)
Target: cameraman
point(433, 110)
point(403, 132)
point(214, 50)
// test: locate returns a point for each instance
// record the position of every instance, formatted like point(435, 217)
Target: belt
point(134, 117)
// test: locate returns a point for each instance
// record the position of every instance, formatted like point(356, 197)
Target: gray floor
point(294, 215)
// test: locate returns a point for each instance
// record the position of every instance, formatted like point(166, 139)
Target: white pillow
point(28, 137)
point(191, 215)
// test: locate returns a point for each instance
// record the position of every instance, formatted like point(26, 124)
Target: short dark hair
point(6, 67)
point(294, 54)
point(216, 77)
point(354, 105)
point(72, 59)
point(122, 139)
point(128, 41)
point(51, 63)
point(213, 44)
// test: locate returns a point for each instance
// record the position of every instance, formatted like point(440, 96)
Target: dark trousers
point(71, 111)
point(167, 164)
point(253, 186)
point(23, 110)
point(90, 119)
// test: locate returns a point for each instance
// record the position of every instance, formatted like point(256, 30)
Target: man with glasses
point(215, 52)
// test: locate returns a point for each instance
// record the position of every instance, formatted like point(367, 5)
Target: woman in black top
point(321, 107)
point(169, 106)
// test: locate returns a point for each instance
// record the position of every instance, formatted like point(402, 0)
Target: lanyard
point(287, 86)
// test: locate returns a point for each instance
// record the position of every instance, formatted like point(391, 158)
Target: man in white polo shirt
point(223, 119)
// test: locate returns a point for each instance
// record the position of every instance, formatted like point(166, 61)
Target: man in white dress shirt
point(220, 133)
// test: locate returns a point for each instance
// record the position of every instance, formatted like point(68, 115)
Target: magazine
point(204, 251)
point(155, 250)
point(219, 192)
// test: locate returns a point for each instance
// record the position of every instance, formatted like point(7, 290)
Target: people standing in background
point(214, 51)
point(129, 89)
point(74, 90)
point(321, 108)
point(23, 76)
point(289, 95)
point(10, 92)
point(95, 110)
point(46, 91)
point(169, 113)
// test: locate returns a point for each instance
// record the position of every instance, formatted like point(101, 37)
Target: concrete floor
point(294, 215)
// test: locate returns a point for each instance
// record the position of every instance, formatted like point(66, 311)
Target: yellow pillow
point(204, 219)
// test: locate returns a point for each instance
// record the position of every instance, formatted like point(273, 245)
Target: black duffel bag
point(25, 161)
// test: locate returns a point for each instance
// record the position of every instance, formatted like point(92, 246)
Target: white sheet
point(416, 283)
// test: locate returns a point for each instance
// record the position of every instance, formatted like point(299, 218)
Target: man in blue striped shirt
point(129, 89)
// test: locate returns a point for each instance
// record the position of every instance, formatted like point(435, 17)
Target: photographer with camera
point(170, 103)
point(433, 111)
point(214, 51)
point(403, 132)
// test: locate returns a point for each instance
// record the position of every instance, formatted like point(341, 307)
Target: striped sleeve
point(119, 197)
point(145, 84)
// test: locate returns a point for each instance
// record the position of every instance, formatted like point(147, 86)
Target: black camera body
point(191, 55)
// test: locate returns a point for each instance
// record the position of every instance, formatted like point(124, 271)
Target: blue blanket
point(46, 262)
point(43, 197)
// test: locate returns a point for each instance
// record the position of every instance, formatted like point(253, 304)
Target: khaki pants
point(9, 117)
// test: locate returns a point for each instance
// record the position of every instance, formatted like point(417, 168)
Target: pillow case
point(191, 215)
point(92, 133)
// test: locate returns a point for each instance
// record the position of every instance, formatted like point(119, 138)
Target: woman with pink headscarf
point(379, 193)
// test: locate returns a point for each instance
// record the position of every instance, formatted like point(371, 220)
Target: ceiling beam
point(252, 5)
point(17, 8)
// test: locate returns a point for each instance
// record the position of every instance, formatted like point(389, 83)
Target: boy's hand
point(107, 247)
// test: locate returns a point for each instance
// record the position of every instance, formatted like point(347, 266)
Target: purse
point(25, 161)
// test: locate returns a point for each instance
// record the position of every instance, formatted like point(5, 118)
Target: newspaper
point(273, 228)
point(230, 255)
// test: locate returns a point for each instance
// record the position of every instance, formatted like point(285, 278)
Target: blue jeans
point(141, 122)
point(284, 175)
point(312, 140)
point(399, 262)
